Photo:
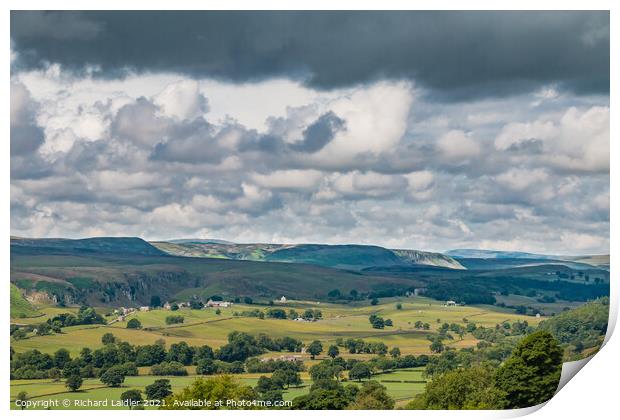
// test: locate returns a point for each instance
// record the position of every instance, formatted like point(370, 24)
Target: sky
point(420, 130)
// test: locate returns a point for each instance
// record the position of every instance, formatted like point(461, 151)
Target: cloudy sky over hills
point(420, 130)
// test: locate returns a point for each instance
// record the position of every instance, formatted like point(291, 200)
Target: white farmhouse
point(218, 304)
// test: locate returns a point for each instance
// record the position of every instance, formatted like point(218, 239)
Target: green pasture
point(340, 321)
point(93, 389)
point(20, 307)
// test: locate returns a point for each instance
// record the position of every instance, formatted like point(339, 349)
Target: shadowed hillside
point(337, 256)
point(106, 245)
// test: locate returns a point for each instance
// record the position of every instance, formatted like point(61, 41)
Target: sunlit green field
point(340, 321)
point(92, 389)
point(206, 327)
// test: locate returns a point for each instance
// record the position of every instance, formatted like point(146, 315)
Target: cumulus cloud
point(577, 140)
point(155, 156)
point(182, 100)
point(375, 118)
point(458, 145)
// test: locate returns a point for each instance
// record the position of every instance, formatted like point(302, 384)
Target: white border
point(593, 394)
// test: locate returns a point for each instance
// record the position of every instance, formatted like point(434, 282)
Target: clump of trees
point(85, 316)
point(134, 323)
point(230, 358)
point(359, 346)
point(271, 388)
point(328, 393)
point(255, 365)
point(378, 322)
point(278, 313)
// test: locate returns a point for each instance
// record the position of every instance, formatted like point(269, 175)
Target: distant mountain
point(468, 257)
point(129, 271)
point(596, 260)
point(336, 256)
point(103, 245)
point(485, 253)
point(501, 263)
point(199, 241)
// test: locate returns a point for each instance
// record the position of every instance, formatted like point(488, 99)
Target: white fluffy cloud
point(182, 100)
point(275, 161)
point(376, 120)
point(458, 145)
point(576, 140)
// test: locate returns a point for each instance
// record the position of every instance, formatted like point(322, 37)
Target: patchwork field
point(206, 327)
point(339, 321)
point(402, 385)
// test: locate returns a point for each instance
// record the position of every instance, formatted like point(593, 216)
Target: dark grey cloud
point(529, 146)
point(25, 139)
point(26, 135)
point(319, 133)
point(59, 26)
point(194, 142)
point(455, 54)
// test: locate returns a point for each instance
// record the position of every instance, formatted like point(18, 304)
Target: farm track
point(209, 321)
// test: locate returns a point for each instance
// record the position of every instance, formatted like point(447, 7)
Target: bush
point(169, 369)
point(276, 313)
point(134, 323)
point(158, 390)
point(174, 319)
point(73, 383)
point(113, 377)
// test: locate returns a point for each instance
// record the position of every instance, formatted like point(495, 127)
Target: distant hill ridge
point(130, 271)
point(352, 256)
point(461, 254)
point(107, 245)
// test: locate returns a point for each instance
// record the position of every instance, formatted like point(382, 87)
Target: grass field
point(206, 327)
point(402, 385)
point(340, 321)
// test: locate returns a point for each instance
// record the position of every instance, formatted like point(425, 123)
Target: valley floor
point(339, 321)
point(206, 327)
